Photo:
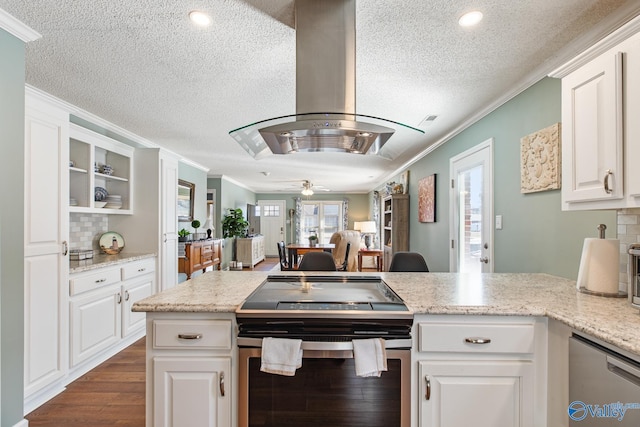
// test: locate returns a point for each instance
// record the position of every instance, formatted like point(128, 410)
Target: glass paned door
point(469, 194)
point(472, 207)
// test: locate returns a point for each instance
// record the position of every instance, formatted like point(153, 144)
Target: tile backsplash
point(85, 230)
point(628, 223)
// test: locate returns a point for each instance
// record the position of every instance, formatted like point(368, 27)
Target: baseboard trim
point(22, 423)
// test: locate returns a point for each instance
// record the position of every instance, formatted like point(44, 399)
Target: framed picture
point(186, 193)
point(427, 199)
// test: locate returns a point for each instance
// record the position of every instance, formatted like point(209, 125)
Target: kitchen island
point(538, 304)
point(612, 320)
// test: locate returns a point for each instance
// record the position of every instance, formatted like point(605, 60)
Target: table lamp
point(367, 228)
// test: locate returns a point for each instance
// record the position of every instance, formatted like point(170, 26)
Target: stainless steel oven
point(327, 313)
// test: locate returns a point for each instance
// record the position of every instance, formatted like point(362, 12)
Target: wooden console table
point(198, 255)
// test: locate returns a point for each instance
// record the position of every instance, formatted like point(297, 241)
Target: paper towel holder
point(618, 294)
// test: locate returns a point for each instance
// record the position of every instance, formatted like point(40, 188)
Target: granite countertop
point(101, 260)
point(506, 294)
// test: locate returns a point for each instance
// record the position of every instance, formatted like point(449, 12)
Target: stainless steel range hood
point(325, 118)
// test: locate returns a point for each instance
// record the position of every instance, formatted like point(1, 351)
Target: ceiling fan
point(308, 188)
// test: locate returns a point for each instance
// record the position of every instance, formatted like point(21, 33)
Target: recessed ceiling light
point(470, 19)
point(199, 18)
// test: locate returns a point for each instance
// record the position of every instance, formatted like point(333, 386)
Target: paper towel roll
point(600, 265)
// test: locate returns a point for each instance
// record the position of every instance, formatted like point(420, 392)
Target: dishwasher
point(604, 385)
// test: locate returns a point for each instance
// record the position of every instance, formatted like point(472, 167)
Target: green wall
point(199, 178)
point(536, 236)
point(231, 196)
point(12, 66)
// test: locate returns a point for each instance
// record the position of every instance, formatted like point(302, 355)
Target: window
point(320, 218)
point(268, 210)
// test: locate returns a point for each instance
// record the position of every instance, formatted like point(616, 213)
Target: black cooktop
point(282, 296)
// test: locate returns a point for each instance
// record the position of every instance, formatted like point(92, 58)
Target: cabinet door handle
point(607, 189)
point(126, 295)
point(190, 336)
point(65, 248)
point(221, 384)
point(427, 393)
point(477, 340)
point(119, 298)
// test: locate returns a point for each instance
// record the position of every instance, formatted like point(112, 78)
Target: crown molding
point(17, 28)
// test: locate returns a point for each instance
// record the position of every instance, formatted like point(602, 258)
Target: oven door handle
point(326, 346)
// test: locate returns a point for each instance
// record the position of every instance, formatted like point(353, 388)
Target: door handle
point(607, 189)
point(427, 393)
point(221, 384)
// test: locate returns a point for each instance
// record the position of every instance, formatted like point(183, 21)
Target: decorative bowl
point(100, 194)
point(99, 204)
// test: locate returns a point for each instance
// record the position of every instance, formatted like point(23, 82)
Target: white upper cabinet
point(97, 162)
point(600, 135)
point(592, 131)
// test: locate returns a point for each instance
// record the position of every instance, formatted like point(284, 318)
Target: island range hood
point(325, 119)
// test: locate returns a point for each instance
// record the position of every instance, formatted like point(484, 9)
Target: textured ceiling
point(143, 66)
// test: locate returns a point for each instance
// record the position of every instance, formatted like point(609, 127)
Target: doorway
point(272, 222)
point(471, 205)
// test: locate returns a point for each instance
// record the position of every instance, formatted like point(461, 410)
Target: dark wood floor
point(112, 394)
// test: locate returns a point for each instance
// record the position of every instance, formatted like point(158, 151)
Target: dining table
point(294, 250)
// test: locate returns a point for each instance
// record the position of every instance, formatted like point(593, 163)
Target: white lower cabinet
point(484, 371)
point(191, 379)
point(191, 391)
point(133, 291)
point(95, 320)
point(100, 309)
point(250, 251)
point(477, 393)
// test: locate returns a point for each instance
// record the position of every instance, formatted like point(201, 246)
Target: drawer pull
point(101, 280)
point(427, 393)
point(140, 270)
point(190, 336)
point(222, 384)
point(477, 340)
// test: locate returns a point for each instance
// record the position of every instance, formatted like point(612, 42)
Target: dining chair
point(340, 240)
point(408, 261)
point(282, 253)
point(317, 261)
point(345, 264)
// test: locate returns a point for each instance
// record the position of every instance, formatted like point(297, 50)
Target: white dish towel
point(370, 357)
point(281, 356)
